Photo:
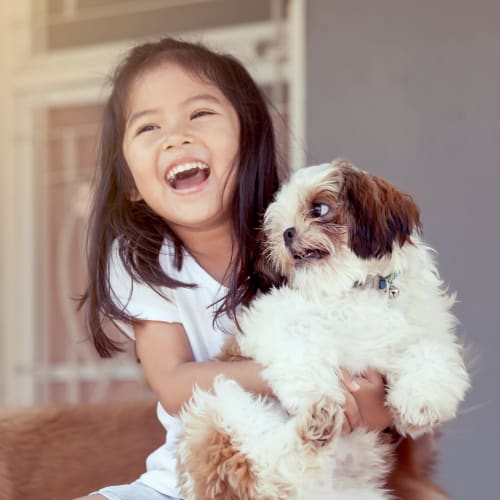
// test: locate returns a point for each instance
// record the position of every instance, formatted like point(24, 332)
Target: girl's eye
point(320, 209)
point(201, 113)
point(146, 128)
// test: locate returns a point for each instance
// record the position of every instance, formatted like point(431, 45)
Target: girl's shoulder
point(136, 298)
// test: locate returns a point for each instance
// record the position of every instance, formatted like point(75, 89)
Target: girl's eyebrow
point(202, 97)
point(140, 114)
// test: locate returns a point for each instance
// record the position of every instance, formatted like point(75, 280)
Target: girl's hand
point(365, 402)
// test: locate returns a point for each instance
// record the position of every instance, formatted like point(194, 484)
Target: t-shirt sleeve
point(138, 299)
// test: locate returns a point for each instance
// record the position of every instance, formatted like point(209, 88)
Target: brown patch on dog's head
point(376, 213)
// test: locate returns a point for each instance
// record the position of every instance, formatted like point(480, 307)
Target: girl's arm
point(171, 371)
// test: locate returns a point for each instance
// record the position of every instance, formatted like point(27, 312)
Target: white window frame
point(33, 82)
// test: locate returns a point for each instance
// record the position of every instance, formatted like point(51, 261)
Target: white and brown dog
point(362, 291)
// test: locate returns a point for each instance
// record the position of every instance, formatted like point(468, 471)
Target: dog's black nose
point(288, 235)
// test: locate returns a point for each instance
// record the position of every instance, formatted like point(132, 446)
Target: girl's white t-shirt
point(194, 308)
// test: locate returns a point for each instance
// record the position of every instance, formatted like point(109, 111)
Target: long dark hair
point(137, 229)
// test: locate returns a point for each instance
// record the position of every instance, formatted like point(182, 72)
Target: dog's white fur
point(304, 332)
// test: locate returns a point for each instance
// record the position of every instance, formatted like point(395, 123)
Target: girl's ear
point(377, 214)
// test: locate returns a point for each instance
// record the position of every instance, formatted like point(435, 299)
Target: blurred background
point(408, 90)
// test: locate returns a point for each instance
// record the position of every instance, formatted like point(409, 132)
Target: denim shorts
point(132, 491)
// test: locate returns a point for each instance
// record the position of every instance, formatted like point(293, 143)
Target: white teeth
point(183, 168)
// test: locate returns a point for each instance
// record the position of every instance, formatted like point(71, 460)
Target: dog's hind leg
point(210, 462)
point(216, 470)
point(232, 446)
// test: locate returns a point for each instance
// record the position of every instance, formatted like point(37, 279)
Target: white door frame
point(31, 83)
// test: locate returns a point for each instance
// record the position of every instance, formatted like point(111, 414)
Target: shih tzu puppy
point(362, 290)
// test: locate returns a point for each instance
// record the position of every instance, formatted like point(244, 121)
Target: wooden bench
point(62, 452)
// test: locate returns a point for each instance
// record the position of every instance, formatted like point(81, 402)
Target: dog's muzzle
point(301, 254)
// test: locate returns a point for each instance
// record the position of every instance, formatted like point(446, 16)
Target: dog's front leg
point(425, 386)
point(293, 341)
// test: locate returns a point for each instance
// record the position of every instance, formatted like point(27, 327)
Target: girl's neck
point(213, 249)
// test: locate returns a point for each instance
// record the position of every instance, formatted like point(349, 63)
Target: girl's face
point(181, 144)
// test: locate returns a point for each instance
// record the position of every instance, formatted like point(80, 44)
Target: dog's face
point(331, 211)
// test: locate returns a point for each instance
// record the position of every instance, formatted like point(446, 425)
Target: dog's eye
point(320, 209)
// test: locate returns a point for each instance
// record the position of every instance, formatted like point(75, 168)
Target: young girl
point(187, 169)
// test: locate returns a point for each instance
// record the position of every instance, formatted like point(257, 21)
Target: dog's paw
point(413, 413)
point(416, 422)
point(321, 423)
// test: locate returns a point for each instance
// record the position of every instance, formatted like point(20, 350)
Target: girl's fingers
point(365, 401)
point(373, 376)
point(352, 414)
point(349, 381)
point(375, 414)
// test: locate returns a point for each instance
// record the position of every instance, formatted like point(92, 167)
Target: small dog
point(362, 291)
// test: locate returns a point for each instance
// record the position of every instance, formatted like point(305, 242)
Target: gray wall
point(411, 91)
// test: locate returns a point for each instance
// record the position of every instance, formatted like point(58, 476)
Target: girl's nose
point(176, 140)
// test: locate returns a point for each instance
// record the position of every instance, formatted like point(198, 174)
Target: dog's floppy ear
point(378, 214)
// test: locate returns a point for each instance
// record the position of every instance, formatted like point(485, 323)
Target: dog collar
point(384, 283)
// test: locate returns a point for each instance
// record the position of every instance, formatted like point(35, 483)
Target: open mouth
point(188, 175)
point(309, 255)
